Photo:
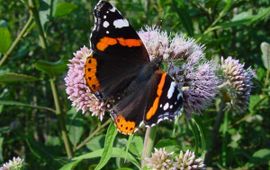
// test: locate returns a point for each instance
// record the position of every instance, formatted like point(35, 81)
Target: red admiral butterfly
point(121, 74)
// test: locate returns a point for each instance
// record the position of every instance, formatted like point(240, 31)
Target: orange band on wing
point(129, 42)
point(90, 70)
point(124, 126)
point(154, 107)
point(105, 42)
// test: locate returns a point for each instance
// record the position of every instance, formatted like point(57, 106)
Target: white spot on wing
point(171, 90)
point(106, 24)
point(171, 106)
point(166, 106)
point(160, 105)
point(120, 23)
point(113, 9)
point(104, 16)
point(178, 96)
point(107, 32)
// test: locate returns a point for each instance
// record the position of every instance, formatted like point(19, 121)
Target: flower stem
point(215, 140)
point(18, 38)
point(98, 129)
point(149, 140)
point(34, 12)
point(224, 139)
point(61, 119)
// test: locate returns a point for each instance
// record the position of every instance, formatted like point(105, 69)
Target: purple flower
point(237, 83)
point(186, 49)
point(199, 87)
point(77, 90)
point(156, 42)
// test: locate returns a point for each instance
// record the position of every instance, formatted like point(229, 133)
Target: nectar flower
point(156, 42)
point(13, 164)
point(188, 161)
point(199, 88)
point(186, 49)
point(160, 160)
point(76, 88)
point(238, 83)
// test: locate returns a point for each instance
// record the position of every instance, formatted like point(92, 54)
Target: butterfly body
point(120, 73)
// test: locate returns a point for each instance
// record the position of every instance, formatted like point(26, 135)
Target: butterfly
point(120, 73)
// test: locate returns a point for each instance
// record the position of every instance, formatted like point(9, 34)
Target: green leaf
point(9, 77)
point(1, 149)
point(265, 47)
point(64, 8)
point(15, 103)
point(108, 145)
point(44, 12)
point(71, 165)
point(96, 142)
point(75, 130)
point(115, 153)
point(51, 68)
point(5, 37)
point(262, 153)
point(136, 146)
point(183, 13)
point(261, 156)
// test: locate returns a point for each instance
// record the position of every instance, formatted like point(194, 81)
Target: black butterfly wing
point(167, 102)
point(143, 104)
point(118, 52)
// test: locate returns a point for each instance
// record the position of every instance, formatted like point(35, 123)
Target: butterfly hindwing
point(155, 100)
point(166, 104)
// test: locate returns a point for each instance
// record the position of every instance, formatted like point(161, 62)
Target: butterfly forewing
point(117, 48)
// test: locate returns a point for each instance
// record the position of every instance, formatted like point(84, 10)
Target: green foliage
point(5, 37)
point(38, 123)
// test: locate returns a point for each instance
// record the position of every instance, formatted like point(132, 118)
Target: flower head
point(186, 49)
point(13, 164)
point(199, 87)
point(188, 161)
point(156, 42)
point(238, 83)
point(160, 160)
point(76, 88)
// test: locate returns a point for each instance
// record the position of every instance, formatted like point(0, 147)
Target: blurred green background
point(38, 37)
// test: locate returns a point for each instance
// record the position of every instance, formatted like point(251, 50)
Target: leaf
point(51, 68)
point(1, 149)
point(75, 130)
point(64, 8)
point(136, 146)
point(261, 156)
point(265, 48)
point(15, 103)
point(108, 145)
point(71, 165)
point(115, 153)
point(95, 143)
point(183, 13)
point(5, 37)
point(44, 12)
point(10, 77)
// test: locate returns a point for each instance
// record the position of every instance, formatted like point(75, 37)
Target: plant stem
point(18, 38)
point(224, 139)
point(98, 129)
point(34, 12)
point(149, 140)
point(61, 119)
point(215, 134)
